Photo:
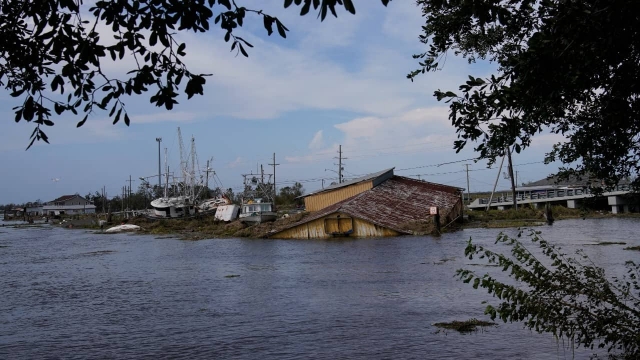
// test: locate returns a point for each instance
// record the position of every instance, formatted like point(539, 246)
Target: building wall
point(322, 200)
point(36, 210)
point(51, 210)
point(323, 227)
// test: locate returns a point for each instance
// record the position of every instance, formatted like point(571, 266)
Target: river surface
point(68, 294)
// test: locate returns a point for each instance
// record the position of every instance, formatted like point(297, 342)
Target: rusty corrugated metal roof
point(368, 177)
point(64, 198)
point(394, 204)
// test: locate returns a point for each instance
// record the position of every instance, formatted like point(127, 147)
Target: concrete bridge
point(567, 196)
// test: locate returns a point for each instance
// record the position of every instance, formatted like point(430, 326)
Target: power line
point(435, 165)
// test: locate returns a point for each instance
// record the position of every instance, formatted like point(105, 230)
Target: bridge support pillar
point(572, 204)
point(617, 204)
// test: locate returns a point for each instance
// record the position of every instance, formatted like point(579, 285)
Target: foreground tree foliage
point(567, 297)
point(53, 52)
point(570, 67)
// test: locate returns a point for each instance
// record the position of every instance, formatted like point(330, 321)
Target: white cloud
point(422, 125)
point(365, 127)
point(416, 131)
point(546, 141)
point(237, 162)
point(368, 79)
point(316, 156)
point(317, 142)
point(166, 116)
point(403, 20)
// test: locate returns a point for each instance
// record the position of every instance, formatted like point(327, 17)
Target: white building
point(69, 204)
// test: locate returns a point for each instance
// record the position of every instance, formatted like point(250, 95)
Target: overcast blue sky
point(340, 82)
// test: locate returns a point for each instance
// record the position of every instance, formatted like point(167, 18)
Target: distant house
point(379, 204)
point(34, 209)
point(69, 204)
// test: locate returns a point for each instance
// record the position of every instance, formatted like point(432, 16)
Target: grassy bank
point(527, 216)
point(189, 229)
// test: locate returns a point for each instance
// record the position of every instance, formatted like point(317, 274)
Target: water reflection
point(69, 293)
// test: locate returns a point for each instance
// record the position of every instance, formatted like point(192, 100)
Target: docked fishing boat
point(256, 212)
point(173, 207)
point(184, 203)
point(257, 199)
point(213, 204)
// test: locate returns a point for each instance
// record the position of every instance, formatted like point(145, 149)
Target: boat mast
point(166, 174)
point(193, 169)
point(183, 164)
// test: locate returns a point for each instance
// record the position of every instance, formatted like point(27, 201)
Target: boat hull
point(170, 208)
point(258, 218)
point(227, 212)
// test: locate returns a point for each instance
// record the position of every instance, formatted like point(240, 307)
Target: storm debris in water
point(464, 326)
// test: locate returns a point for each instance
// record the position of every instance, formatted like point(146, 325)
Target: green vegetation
point(189, 229)
point(564, 67)
point(464, 326)
point(567, 297)
point(524, 216)
point(636, 248)
point(288, 197)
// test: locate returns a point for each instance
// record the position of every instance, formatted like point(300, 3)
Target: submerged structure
point(379, 204)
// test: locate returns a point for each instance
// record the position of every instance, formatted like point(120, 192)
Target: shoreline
point(209, 228)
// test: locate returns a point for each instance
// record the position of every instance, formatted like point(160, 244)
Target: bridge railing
point(547, 194)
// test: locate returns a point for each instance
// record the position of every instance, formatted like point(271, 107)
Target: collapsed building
point(379, 204)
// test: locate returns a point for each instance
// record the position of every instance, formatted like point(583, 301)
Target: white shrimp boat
point(173, 207)
point(257, 200)
point(257, 212)
point(184, 203)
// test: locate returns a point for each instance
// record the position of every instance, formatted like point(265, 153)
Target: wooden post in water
point(436, 218)
point(548, 214)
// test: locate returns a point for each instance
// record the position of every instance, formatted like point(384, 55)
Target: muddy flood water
point(67, 294)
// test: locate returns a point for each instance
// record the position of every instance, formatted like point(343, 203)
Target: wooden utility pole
point(468, 188)
point(513, 180)
point(495, 184)
point(340, 164)
point(340, 158)
point(129, 193)
point(275, 192)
